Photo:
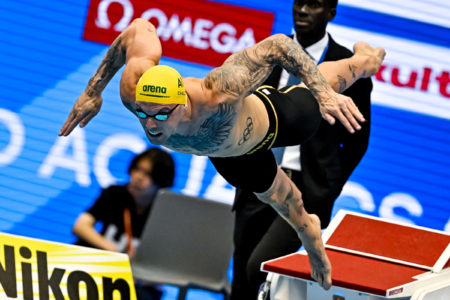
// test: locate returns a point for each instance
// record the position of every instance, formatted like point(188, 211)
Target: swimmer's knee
point(282, 192)
point(279, 191)
point(268, 196)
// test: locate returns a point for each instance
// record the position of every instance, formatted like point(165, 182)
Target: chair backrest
point(187, 237)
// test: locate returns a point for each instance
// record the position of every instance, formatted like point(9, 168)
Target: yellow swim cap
point(161, 84)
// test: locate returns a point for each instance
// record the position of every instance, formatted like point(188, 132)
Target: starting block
point(372, 259)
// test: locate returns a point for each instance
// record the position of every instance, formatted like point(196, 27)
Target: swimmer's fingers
point(355, 110)
point(346, 120)
point(84, 109)
point(68, 126)
point(344, 109)
point(350, 115)
point(329, 118)
point(72, 121)
point(85, 120)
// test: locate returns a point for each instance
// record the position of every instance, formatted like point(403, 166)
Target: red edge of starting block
point(350, 271)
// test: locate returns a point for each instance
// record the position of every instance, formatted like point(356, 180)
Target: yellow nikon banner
point(37, 269)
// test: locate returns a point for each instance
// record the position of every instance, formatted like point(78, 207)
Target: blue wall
point(45, 64)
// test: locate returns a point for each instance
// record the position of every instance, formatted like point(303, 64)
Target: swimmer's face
point(312, 16)
point(158, 120)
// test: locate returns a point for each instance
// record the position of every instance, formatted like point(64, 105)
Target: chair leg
point(182, 293)
point(226, 294)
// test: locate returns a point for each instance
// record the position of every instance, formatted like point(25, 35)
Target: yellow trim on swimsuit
point(264, 86)
point(287, 90)
point(270, 136)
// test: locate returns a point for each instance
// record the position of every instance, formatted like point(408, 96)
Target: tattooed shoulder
point(211, 135)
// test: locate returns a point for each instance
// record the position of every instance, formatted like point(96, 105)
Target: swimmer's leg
point(286, 199)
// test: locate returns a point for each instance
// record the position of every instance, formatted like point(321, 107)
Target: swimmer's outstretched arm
point(245, 70)
point(139, 48)
point(286, 199)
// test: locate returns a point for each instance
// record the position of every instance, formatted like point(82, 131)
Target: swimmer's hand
point(84, 109)
point(333, 105)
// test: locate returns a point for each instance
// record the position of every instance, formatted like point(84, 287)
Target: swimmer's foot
point(312, 241)
point(373, 57)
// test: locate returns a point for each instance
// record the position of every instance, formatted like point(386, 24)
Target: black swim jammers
point(294, 117)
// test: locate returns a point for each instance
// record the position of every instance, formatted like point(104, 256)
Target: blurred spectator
point(123, 209)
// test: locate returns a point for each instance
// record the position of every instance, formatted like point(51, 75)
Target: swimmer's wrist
point(92, 92)
point(322, 97)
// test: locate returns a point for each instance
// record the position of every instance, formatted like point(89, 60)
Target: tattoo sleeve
point(111, 63)
point(245, 70)
point(297, 62)
point(239, 75)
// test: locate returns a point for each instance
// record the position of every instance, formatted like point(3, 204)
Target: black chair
point(187, 242)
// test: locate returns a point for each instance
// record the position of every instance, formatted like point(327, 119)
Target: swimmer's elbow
point(141, 23)
point(280, 37)
point(137, 26)
point(279, 41)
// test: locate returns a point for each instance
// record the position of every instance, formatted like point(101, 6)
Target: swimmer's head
point(161, 84)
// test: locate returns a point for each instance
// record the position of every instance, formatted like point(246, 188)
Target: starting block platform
point(374, 258)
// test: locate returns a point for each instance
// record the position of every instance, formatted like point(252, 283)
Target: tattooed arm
point(245, 70)
point(139, 48)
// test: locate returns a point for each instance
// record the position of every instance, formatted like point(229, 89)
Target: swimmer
point(228, 117)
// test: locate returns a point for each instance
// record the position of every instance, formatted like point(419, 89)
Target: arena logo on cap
point(155, 89)
point(194, 30)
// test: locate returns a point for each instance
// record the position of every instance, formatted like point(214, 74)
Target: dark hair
point(163, 169)
point(333, 3)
